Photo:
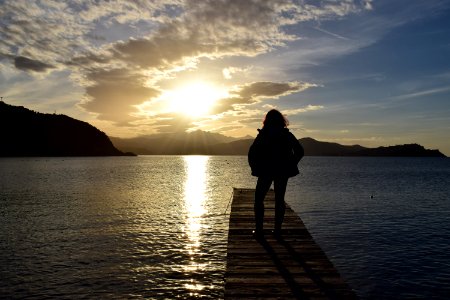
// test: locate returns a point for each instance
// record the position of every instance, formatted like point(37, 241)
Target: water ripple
point(155, 227)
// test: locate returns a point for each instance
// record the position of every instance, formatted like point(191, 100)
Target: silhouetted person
point(273, 157)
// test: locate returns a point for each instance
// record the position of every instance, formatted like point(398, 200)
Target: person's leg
point(280, 184)
point(262, 187)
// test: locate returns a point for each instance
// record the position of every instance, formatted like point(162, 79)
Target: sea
point(155, 227)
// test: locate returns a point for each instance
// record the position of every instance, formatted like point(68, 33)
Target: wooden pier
point(290, 267)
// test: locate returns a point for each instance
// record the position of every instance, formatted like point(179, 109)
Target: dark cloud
point(27, 64)
point(114, 92)
point(159, 52)
point(257, 91)
point(89, 60)
point(226, 104)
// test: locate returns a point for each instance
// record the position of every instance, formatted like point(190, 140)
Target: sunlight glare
point(195, 196)
point(195, 99)
point(195, 188)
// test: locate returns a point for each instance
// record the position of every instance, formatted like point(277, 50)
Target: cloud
point(38, 31)
point(235, 123)
point(228, 72)
point(114, 93)
point(170, 123)
point(266, 89)
point(252, 120)
point(216, 29)
point(162, 52)
point(57, 31)
point(210, 29)
point(307, 108)
point(331, 33)
point(368, 4)
point(26, 64)
point(176, 30)
point(138, 43)
point(421, 93)
point(258, 91)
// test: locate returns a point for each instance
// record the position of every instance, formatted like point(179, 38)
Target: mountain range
point(24, 132)
point(207, 143)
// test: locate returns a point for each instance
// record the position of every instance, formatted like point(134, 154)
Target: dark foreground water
point(155, 226)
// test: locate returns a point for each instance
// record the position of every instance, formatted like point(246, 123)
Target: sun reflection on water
point(195, 196)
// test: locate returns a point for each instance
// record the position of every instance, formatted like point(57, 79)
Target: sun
point(195, 99)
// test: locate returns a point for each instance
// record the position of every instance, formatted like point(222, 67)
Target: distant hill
point(410, 150)
point(206, 143)
point(27, 133)
point(196, 142)
point(313, 147)
point(317, 148)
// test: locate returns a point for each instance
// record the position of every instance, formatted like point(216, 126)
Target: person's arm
point(297, 149)
point(253, 153)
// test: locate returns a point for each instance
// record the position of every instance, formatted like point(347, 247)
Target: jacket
point(275, 153)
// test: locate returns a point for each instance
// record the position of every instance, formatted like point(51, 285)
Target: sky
point(368, 72)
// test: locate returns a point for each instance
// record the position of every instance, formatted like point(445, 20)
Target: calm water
point(155, 226)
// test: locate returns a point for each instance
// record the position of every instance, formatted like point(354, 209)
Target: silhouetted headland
point(208, 143)
point(317, 148)
point(28, 133)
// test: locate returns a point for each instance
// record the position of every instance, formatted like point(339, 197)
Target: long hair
point(275, 119)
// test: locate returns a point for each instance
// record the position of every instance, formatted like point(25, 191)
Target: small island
point(318, 148)
point(28, 133)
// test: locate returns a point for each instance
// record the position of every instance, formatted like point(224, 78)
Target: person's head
point(274, 119)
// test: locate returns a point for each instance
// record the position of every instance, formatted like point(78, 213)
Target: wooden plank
point(290, 267)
